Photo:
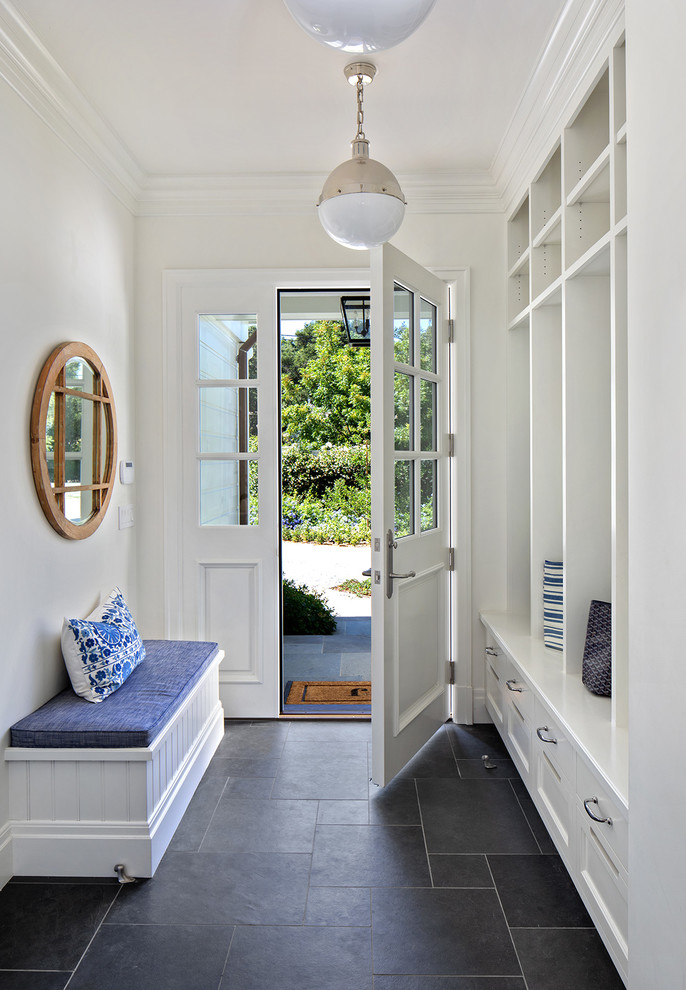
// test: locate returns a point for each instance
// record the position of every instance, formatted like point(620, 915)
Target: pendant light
point(359, 27)
point(362, 204)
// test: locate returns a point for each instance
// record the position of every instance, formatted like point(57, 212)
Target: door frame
point(174, 283)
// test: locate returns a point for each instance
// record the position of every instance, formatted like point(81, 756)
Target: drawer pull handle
point(510, 683)
point(594, 800)
point(539, 732)
point(491, 651)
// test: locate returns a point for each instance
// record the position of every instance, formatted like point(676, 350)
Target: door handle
point(367, 573)
point(391, 576)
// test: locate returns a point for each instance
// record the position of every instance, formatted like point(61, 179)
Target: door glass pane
point(228, 420)
point(227, 347)
point(78, 506)
point(78, 374)
point(427, 415)
point(404, 498)
point(402, 325)
point(403, 412)
point(226, 488)
point(104, 436)
point(427, 335)
point(428, 495)
point(78, 440)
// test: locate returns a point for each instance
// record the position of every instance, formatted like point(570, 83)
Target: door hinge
point(451, 445)
point(451, 558)
point(451, 671)
point(451, 330)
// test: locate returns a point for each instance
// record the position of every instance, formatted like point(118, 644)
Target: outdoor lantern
point(359, 27)
point(362, 204)
point(355, 310)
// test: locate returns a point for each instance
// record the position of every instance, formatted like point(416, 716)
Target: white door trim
point(175, 281)
point(461, 489)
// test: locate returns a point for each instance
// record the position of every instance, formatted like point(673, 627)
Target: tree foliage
point(326, 388)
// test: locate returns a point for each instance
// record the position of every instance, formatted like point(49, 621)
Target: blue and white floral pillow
point(101, 651)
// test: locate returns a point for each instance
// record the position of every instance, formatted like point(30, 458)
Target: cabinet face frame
point(50, 397)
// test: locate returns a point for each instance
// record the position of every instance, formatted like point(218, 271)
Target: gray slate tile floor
point(291, 870)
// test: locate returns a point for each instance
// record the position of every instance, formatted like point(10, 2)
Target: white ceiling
point(235, 87)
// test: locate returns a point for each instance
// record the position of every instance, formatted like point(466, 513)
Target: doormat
point(329, 693)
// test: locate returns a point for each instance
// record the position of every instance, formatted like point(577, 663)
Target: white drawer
point(516, 688)
point(494, 692)
point(518, 737)
point(553, 741)
point(555, 801)
point(596, 801)
point(602, 883)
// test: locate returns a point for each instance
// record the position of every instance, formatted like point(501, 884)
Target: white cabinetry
point(574, 762)
point(566, 493)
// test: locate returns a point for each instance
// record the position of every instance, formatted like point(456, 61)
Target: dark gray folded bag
point(596, 668)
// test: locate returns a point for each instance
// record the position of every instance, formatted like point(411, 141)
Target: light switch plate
point(125, 516)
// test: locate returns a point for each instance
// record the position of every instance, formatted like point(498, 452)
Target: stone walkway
point(323, 567)
point(345, 655)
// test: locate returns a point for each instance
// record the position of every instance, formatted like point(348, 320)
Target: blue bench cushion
point(131, 716)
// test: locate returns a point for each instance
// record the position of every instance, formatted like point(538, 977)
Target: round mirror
point(73, 440)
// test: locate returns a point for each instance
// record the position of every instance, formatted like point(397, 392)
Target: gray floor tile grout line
point(226, 960)
point(92, 939)
point(421, 822)
point(509, 930)
point(526, 817)
point(204, 835)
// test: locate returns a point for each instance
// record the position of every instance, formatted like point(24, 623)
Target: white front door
point(221, 449)
point(222, 531)
point(410, 509)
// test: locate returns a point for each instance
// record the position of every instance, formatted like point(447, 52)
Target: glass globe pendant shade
point(362, 204)
point(362, 220)
point(359, 26)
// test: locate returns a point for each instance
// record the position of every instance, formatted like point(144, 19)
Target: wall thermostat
point(126, 472)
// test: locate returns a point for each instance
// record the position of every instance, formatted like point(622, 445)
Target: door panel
point(410, 509)
point(227, 512)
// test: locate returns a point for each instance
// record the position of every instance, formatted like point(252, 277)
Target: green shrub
point(305, 612)
point(313, 471)
point(343, 518)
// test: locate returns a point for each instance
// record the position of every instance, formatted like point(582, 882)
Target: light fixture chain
point(360, 110)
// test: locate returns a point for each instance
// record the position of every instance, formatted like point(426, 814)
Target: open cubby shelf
point(567, 308)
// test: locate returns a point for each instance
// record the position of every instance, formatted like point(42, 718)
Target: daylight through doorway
point(325, 508)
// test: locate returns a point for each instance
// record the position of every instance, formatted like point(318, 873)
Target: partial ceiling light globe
point(359, 26)
point(362, 204)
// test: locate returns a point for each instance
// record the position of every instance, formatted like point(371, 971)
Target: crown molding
point(295, 194)
point(32, 72)
point(569, 62)
point(572, 55)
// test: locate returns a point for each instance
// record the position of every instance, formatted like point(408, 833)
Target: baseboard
point(6, 865)
point(480, 710)
point(463, 712)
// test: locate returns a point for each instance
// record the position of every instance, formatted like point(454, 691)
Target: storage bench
point(96, 785)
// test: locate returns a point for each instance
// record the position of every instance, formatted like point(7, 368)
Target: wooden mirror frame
point(52, 496)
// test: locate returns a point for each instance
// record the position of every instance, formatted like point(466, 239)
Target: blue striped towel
point(553, 577)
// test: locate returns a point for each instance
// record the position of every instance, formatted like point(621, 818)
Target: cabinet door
point(603, 811)
point(602, 883)
point(554, 799)
point(495, 703)
point(518, 738)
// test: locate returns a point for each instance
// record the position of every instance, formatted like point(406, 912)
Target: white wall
point(656, 98)
point(292, 242)
point(66, 264)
